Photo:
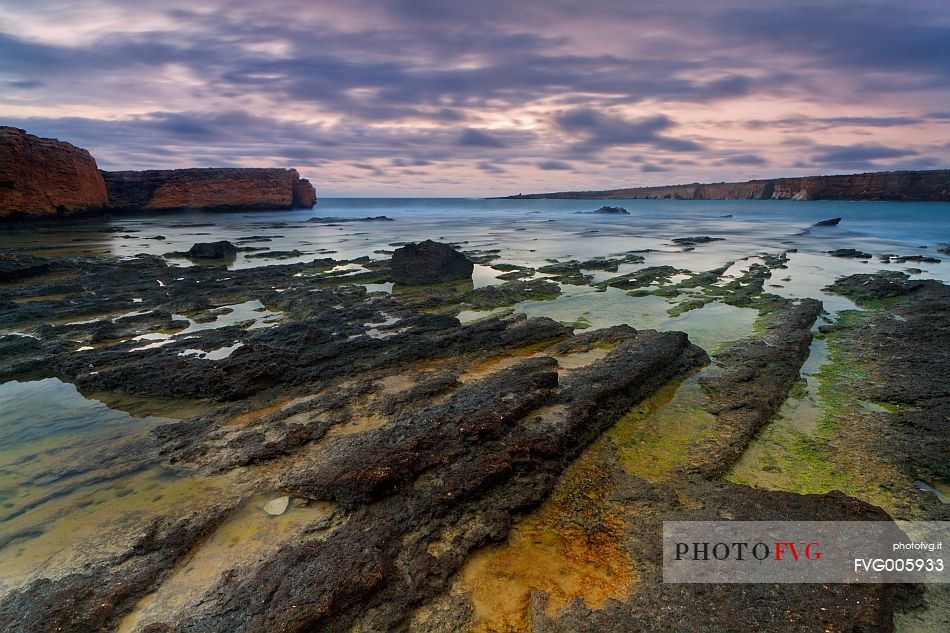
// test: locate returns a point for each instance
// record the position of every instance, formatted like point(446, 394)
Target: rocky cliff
point(210, 189)
point(46, 177)
point(918, 186)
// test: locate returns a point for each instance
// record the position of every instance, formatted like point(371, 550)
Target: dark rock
point(612, 210)
point(849, 252)
point(212, 250)
point(331, 220)
point(429, 262)
point(693, 241)
point(831, 222)
point(890, 258)
point(14, 266)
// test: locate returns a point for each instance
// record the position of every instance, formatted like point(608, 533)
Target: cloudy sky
point(486, 97)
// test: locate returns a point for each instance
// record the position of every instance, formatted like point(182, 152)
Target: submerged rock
point(277, 506)
point(429, 262)
point(612, 210)
point(693, 241)
point(849, 252)
point(333, 220)
point(831, 222)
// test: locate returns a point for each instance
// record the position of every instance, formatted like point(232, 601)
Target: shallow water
point(70, 478)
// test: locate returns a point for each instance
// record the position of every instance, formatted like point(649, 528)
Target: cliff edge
point(910, 186)
point(41, 177)
point(208, 189)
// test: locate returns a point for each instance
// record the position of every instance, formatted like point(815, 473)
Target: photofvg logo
point(704, 550)
point(804, 551)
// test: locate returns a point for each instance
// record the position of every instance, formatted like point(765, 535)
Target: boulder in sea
point(849, 252)
point(612, 210)
point(212, 250)
point(831, 222)
point(429, 262)
point(277, 506)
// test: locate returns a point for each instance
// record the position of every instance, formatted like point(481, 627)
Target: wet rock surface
point(756, 378)
point(611, 519)
point(432, 442)
point(420, 430)
point(900, 351)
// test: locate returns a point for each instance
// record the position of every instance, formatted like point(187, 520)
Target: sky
point(486, 97)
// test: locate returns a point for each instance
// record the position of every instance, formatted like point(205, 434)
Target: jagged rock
point(211, 189)
point(43, 177)
point(612, 210)
point(15, 266)
point(831, 222)
point(212, 250)
point(429, 262)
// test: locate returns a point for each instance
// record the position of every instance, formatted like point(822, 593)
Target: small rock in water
point(831, 222)
point(612, 210)
point(849, 252)
point(276, 507)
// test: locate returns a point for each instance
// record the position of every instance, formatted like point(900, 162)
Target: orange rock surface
point(45, 177)
point(210, 189)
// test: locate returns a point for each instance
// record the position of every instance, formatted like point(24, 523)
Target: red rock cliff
point(211, 189)
point(43, 177)
point(930, 185)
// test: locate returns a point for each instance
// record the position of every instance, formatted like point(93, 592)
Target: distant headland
point(909, 186)
point(42, 178)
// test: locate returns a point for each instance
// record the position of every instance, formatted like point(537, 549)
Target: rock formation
point(429, 262)
point(212, 250)
point(46, 177)
point(210, 189)
point(933, 185)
